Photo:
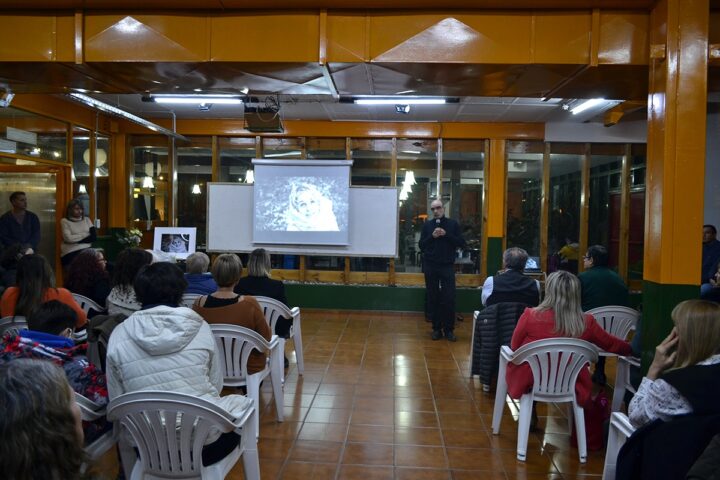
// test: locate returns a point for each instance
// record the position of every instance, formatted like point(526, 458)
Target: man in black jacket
point(439, 238)
point(511, 285)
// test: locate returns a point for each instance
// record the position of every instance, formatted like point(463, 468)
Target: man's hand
point(665, 354)
point(438, 232)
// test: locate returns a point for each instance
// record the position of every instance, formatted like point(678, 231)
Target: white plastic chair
point(615, 320)
point(86, 303)
point(169, 431)
point(622, 380)
point(555, 364)
point(235, 344)
point(12, 324)
point(273, 310)
point(188, 299)
point(620, 430)
point(90, 412)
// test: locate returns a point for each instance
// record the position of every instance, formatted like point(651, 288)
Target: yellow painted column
point(676, 162)
point(497, 186)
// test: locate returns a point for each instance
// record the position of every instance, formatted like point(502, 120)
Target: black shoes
point(451, 337)
point(436, 335)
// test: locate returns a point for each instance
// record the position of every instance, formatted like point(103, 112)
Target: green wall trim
point(658, 302)
point(372, 297)
point(494, 255)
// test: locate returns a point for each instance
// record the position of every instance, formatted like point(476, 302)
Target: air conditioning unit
point(263, 120)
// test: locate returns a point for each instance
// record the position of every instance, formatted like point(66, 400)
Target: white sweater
point(72, 232)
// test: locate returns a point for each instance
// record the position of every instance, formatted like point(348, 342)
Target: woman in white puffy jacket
point(166, 347)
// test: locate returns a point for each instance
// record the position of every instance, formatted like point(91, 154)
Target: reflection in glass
point(236, 156)
point(194, 171)
point(32, 135)
point(150, 161)
point(524, 194)
point(564, 210)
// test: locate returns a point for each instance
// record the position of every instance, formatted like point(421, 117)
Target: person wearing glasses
point(439, 238)
point(600, 287)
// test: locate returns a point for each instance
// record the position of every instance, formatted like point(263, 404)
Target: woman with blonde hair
point(559, 315)
point(685, 369)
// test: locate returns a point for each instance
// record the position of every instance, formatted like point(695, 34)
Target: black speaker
point(262, 120)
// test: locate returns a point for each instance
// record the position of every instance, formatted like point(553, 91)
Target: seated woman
point(166, 347)
point(41, 425)
point(87, 276)
point(559, 315)
point(199, 281)
point(686, 365)
point(224, 306)
point(121, 298)
point(259, 284)
point(78, 232)
point(35, 286)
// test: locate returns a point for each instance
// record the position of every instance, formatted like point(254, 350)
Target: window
point(194, 171)
point(150, 162)
point(235, 155)
point(524, 195)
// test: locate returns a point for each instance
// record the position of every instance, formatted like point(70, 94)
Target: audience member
point(166, 347)
point(259, 284)
point(19, 225)
point(710, 257)
point(225, 306)
point(40, 425)
point(685, 372)
point(87, 276)
point(78, 232)
point(36, 285)
point(713, 294)
point(601, 287)
point(559, 315)
point(510, 285)
point(121, 298)
point(9, 260)
point(200, 282)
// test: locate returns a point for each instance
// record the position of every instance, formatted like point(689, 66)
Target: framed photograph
point(176, 241)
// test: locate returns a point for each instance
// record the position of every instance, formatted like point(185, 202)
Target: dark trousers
point(440, 288)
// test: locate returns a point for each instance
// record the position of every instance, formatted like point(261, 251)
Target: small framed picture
point(176, 241)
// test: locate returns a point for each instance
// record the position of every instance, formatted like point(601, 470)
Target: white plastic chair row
point(188, 299)
point(90, 412)
point(555, 364)
point(620, 430)
point(274, 309)
point(169, 431)
point(235, 344)
point(86, 303)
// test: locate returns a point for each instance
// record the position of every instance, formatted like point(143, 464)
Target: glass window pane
point(102, 181)
point(290, 147)
point(524, 194)
point(604, 202)
point(372, 161)
point(417, 159)
point(150, 161)
point(326, 148)
point(236, 156)
point(194, 171)
point(35, 135)
point(636, 235)
point(463, 162)
point(564, 208)
point(81, 168)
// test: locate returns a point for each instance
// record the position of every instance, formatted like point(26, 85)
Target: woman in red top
point(35, 286)
point(559, 315)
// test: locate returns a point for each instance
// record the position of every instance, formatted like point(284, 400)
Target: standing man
point(710, 257)
point(439, 238)
point(19, 225)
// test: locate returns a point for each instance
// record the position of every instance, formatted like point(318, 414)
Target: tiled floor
point(380, 400)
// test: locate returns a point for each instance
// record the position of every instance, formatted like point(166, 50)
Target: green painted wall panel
point(494, 257)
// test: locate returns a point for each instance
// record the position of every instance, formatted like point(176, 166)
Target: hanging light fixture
point(148, 183)
point(72, 175)
point(196, 189)
point(403, 194)
point(409, 178)
point(249, 176)
point(82, 189)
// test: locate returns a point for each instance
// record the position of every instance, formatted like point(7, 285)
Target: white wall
point(623, 132)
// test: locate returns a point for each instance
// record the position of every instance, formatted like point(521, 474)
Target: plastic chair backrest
point(273, 309)
point(86, 303)
point(188, 299)
point(12, 324)
point(556, 363)
point(90, 411)
point(170, 429)
point(235, 344)
point(616, 320)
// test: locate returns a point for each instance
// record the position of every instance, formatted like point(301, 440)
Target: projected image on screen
point(301, 204)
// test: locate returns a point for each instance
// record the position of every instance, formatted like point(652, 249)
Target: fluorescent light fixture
point(118, 112)
point(82, 189)
point(399, 100)
point(412, 152)
point(196, 99)
point(283, 154)
point(148, 183)
point(196, 189)
point(249, 176)
point(587, 104)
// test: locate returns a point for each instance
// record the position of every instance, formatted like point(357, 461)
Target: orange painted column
point(496, 216)
point(676, 163)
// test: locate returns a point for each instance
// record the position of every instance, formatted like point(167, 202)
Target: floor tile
point(368, 454)
point(418, 436)
point(404, 473)
point(357, 472)
point(316, 451)
point(415, 456)
point(305, 471)
point(370, 433)
point(329, 432)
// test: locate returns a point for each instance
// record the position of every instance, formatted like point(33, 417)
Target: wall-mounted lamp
point(409, 178)
point(82, 189)
point(148, 183)
point(196, 189)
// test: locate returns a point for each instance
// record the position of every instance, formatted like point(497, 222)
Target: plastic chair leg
point(253, 391)
point(526, 403)
point(500, 394)
point(297, 340)
point(251, 463)
point(276, 377)
point(621, 376)
point(580, 429)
